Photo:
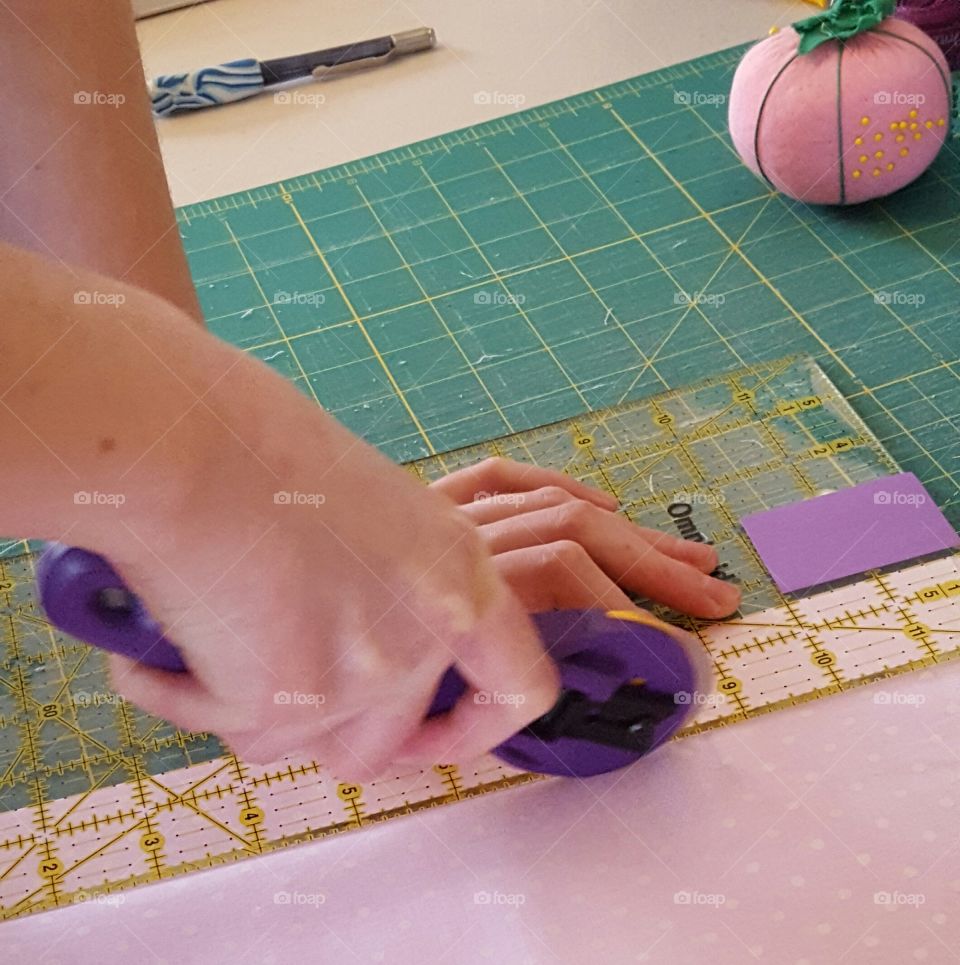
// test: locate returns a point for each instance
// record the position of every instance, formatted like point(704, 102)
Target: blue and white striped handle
point(206, 87)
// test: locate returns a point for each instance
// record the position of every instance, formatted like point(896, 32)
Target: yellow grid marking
point(734, 246)
point(571, 261)
point(428, 299)
point(361, 327)
point(796, 624)
point(497, 278)
point(269, 307)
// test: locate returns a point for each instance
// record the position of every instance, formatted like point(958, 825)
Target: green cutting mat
point(565, 259)
point(571, 256)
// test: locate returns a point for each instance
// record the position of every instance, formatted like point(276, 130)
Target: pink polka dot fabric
point(843, 123)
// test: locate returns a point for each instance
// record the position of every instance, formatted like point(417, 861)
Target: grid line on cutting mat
point(494, 280)
point(562, 258)
point(117, 815)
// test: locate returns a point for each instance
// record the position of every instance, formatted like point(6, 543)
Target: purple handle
point(84, 596)
point(595, 652)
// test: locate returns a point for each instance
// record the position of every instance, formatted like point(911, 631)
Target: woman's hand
point(559, 544)
point(317, 609)
point(316, 591)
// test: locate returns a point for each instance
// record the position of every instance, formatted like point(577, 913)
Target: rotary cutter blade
point(628, 681)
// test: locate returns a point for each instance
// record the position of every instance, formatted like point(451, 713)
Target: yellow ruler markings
point(50, 866)
point(151, 841)
point(251, 814)
point(289, 773)
point(798, 700)
point(190, 803)
point(929, 631)
point(105, 846)
point(52, 710)
point(82, 734)
point(352, 797)
point(35, 839)
point(497, 450)
point(938, 591)
point(729, 684)
point(450, 774)
point(10, 769)
point(72, 708)
point(71, 676)
point(125, 720)
point(48, 713)
point(213, 860)
point(82, 798)
point(794, 630)
point(824, 659)
point(766, 423)
point(666, 452)
point(150, 810)
point(774, 441)
point(147, 734)
point(155, 780)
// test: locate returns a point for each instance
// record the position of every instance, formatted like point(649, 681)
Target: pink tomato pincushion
point(843, 107)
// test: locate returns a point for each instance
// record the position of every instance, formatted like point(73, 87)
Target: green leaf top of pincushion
point(845, 18)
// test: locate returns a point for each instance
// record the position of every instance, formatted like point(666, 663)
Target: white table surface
point(541, 50)
point(782, 829)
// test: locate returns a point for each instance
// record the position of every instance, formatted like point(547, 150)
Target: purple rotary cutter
point(627, 685)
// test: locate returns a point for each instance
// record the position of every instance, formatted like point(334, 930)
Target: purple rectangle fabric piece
point(884, 521)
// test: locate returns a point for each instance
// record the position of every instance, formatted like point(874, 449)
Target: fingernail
point(726, 596)
point(708, 552)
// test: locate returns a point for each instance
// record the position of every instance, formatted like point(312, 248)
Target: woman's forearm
point(81, 176)
point(101, 403)
point(124, 425)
